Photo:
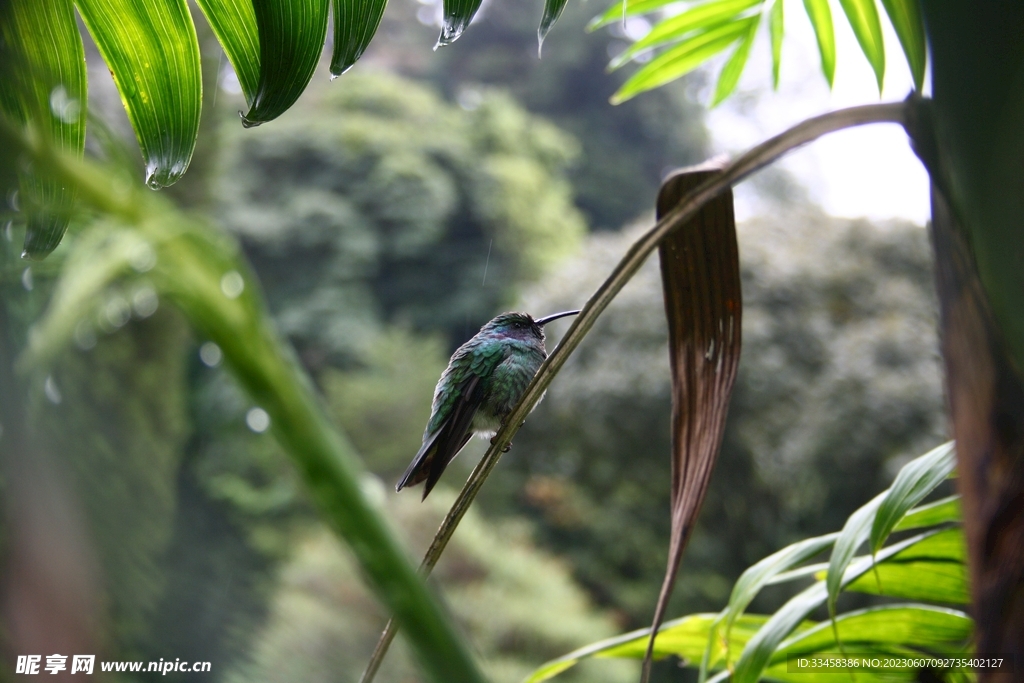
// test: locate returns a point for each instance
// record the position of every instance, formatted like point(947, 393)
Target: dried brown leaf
point(700, 273)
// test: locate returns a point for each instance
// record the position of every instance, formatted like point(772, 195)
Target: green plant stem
point(754, 160)
point(267, 370)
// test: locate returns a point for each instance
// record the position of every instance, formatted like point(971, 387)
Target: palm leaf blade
point(234, 24)
point(821, 19)
point(863, 17)
point(355, 23)
point(681, 59)
point(43, 81)
point(291, 34)
point(153, 53)
point(905, 16)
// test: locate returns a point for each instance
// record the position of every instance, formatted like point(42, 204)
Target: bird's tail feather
point(419, 468)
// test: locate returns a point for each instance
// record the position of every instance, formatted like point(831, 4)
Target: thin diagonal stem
point(754, 160)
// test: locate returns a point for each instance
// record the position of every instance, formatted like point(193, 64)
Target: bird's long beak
point(554, 316)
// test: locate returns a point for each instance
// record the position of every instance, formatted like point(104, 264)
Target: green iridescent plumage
point(484, 380)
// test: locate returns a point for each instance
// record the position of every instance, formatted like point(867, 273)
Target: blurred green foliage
point(518, 603)
point(379, 202)
point(115, 414)
point(384, 404)
point(625, 150)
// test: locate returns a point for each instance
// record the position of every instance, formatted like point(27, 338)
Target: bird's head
point(521, 325)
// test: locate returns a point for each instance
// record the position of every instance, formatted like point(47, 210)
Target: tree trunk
point(975, 152)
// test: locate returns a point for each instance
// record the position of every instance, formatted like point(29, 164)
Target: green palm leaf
point(153, 53)
point(683, 58)
point(292, 34)
point(43, 80)
point(909, 626)
point(915, 481)
point(776, 29)
point(234, 24)
point(759, 651)
point(711, 16)
point(730, 75)
point(821, 19)
point(355, 23)
point(863, 17)
point(905, 16)
point(457, 15)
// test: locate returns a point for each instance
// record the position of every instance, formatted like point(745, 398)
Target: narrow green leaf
point(821, 19)
point(355, 23)
point(818, 570)
point(917, 626)
point(776, 30)
point(712, 16)
point(681, 59)
point(759, 650)
point(905, 16)
point(457, 16)
point(153, 53)
point(939, 512)
point(292, 34)
point(764, 572)
point(684, 637)
point(552, 10)
point(234, 24)
point(943, 545)
point(781, 673)
point(931, 581)
point(750, 583)
point(733, 68)
point(863, 17)
point(42, 80)
point(915, 480)
point(934, 569)
point(854, 533)
point(616, 12)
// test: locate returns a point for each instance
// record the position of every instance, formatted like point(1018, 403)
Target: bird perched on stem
point(481, 385)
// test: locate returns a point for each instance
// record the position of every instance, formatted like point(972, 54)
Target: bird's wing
point(445, 442)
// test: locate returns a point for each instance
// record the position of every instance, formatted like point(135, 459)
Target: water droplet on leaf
point(117, 312)
point(210, 354)
point(145, 302)
point(142, 257)
point(258, 420)
point(232, 284)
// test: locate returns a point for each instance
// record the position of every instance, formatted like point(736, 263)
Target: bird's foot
point(494, 440)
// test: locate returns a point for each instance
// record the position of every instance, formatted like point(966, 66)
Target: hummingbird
point(484, 380)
